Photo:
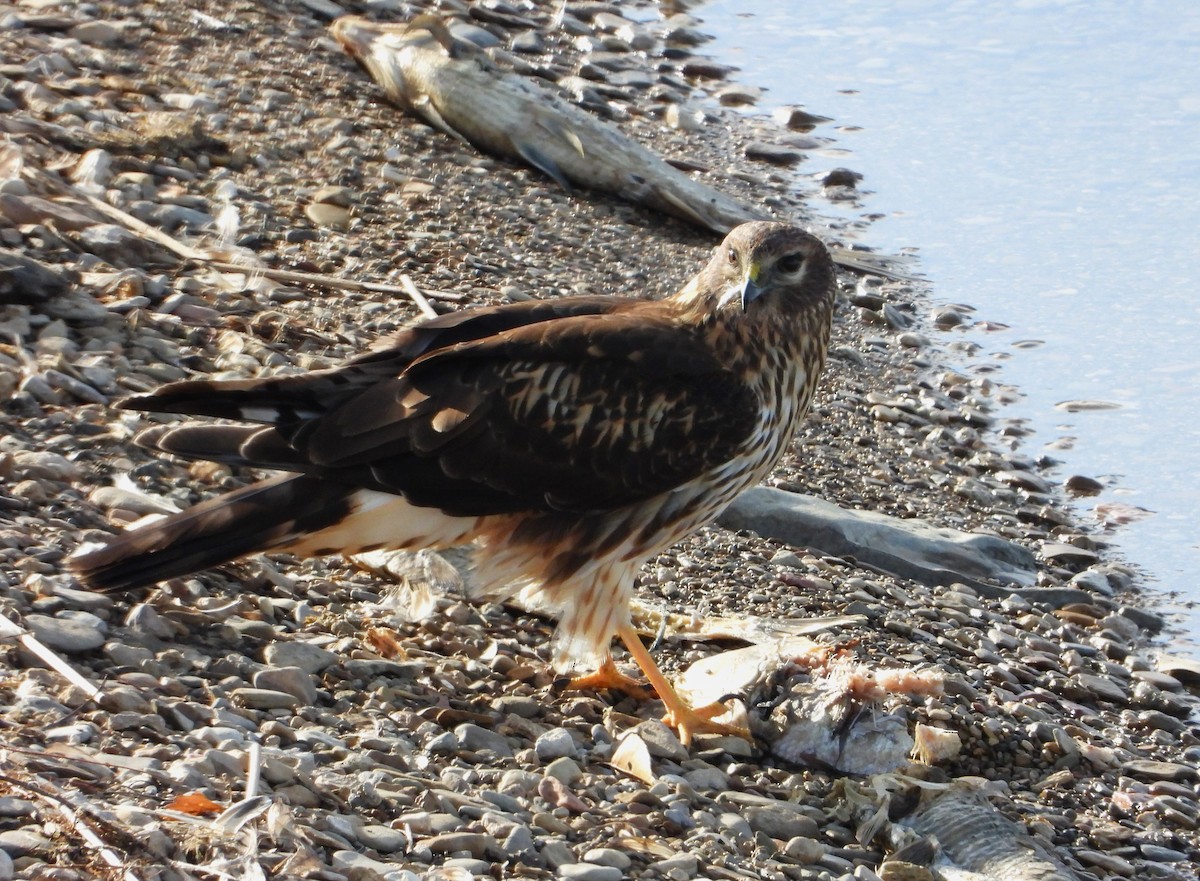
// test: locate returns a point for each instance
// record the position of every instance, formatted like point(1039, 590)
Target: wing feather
point(585, 414)
point(578, 405)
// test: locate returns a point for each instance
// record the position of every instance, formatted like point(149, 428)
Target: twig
point(187, 252)
point(145, 229)
point(324, 281)
point(73, 817)
point(31, 642)
point(419, 298)
point(254, 771)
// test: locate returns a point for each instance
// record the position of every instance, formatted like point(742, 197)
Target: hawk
point(569, 440)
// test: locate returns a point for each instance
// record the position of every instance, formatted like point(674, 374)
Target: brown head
point(765, 278)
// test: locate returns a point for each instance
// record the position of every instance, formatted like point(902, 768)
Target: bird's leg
point(608, 676)
point(684, 719)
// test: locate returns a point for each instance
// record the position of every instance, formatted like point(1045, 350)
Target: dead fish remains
point(951, 827)
point(456, 88)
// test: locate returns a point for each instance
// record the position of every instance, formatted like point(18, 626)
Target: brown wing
point(291, 399)
point(578, 413)
point(582, 414)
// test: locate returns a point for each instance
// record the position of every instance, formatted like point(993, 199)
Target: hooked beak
point(752, 290)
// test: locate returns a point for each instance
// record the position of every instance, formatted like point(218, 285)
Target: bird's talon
point(689, 722)
point(609, 677)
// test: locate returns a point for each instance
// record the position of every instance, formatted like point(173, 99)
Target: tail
point(261, 517)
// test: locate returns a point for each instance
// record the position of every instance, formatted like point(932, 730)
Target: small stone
point(775, 154)
point(797, 118)
point(95, 33)
point(477, 844)
point(557, 853)
point(475, 738)
point(291, 680)
point(1025, 480)
point(589, 872)
point(1109, 862)
point(661, 741)
point(683, 864)
point(328, 216)
point(804, 849)
point(70, 635)
point(189, 101)
point(781, 823)
point(1078, 485)
point(10, 806)
point(560, 795)
point(264, 699)
point(308, 657)
point(1102, 687)
point(344, 860)
point(384, 839)
point(555, 744)
point(565, 769)
point(1058, 552)
point(1147, 769)
point(899, 870)
point(519, 843)
point(707, 779)
point(343, 197)
point(608, 856)
point(842, 177)
point(737, 95)
point(21, 842)
point(518, 705)
point(1159, 854)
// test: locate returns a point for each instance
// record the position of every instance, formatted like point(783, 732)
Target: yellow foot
point(608, 676)
point(684, 719)
point(689, 721)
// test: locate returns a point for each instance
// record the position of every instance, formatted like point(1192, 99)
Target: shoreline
point(450, 742)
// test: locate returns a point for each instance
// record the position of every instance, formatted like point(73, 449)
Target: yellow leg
point(684, 719)
point(608, 676)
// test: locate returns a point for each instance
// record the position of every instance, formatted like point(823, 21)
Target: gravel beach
point(192, 189)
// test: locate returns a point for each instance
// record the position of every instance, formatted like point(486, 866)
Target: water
point(1044, 159)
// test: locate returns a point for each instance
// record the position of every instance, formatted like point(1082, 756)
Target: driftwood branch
point(289, 276)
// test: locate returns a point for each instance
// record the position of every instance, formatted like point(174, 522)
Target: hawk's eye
point(791, 263)
point(732, 256)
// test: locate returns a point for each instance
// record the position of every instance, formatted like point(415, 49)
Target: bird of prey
point(570, 440)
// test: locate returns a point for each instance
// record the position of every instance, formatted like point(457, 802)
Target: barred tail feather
point(261, 517)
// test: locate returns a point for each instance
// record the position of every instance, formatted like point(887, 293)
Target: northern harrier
point(570, 440)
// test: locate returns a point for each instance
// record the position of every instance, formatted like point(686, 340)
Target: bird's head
point(771, 267)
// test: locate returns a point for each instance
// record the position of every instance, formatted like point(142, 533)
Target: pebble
point(555, 744)
point(21, 842)
point(69, 635)
point(608, 856)
point(780, 822)
point(775, 154)
point(661, 741)
point(7, 871)
point(265, 699)
point(589, 872)
point(564, 769)
point(384, 839)
point(477, 844)
point(804, 850)
point(326, 215)
point(290, 680)
point(475, 738)
point(1159, 854)
point(306, 656)
point(1148, 769)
